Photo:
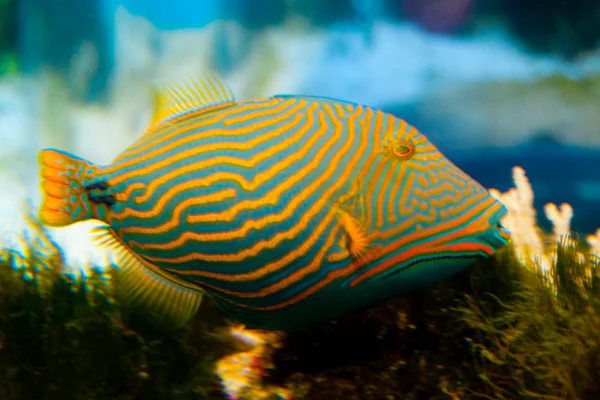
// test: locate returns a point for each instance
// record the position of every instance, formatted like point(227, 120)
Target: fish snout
point(503, 231)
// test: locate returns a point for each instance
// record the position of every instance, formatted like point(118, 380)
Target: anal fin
point(165, 297)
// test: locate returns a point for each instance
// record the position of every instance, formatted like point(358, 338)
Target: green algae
point(66, 338)
point(539, 342)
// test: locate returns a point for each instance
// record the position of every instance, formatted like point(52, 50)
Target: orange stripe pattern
point(251, 201)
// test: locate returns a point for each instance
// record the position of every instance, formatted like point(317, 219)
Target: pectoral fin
point(357, 241)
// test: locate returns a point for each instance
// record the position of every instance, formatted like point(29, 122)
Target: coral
point(532, 246)
point(594, 241)
point(521, 221)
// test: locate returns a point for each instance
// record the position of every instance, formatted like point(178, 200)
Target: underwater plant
point(63, 336)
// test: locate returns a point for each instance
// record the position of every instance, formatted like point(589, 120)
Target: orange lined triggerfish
point(287, 210)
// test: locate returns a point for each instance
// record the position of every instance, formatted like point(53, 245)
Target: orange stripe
point(394, 200)
point(172, 128)
point(313, 267)
point(215, 197)
point(382, 198)
point(478, 225)
point(270, 199)
point(441, 227)
point(186, 154)
point(205, 181)
point(259, 179)
point(405, 209)
point(289, 280)
point(344, 272)
point(378, 137)
point(124, 196)
point(290, 208)
point(269, 268)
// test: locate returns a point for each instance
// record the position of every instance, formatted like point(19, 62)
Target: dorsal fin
point(188, 94)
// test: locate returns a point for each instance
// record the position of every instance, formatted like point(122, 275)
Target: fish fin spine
point(64, 197)
point(192, 93)
point(166, 298)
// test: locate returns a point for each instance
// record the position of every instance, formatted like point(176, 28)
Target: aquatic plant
point(533, 341)
point(64, 337)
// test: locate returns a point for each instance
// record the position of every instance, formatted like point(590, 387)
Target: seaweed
point(542, 341)
point(63, 336)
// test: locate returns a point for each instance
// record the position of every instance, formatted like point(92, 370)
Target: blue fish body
point(287, 211)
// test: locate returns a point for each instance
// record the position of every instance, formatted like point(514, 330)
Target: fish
point(287, 211)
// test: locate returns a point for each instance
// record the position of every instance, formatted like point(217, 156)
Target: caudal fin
point(64, 198)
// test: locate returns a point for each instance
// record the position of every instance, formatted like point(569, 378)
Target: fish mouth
point(503, 231)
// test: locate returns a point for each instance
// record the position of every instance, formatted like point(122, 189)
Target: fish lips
point(504, 232)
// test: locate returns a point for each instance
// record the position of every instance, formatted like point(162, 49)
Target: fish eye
point(404, 150)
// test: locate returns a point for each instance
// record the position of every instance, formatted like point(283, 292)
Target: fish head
point(439, 205)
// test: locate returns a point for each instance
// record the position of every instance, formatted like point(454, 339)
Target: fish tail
point(64, 196)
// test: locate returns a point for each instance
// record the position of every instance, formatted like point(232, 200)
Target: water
point(493, 85)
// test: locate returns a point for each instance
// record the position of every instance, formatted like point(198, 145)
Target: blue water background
point(558, 173)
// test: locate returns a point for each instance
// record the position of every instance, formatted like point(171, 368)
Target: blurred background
point(493, 83)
